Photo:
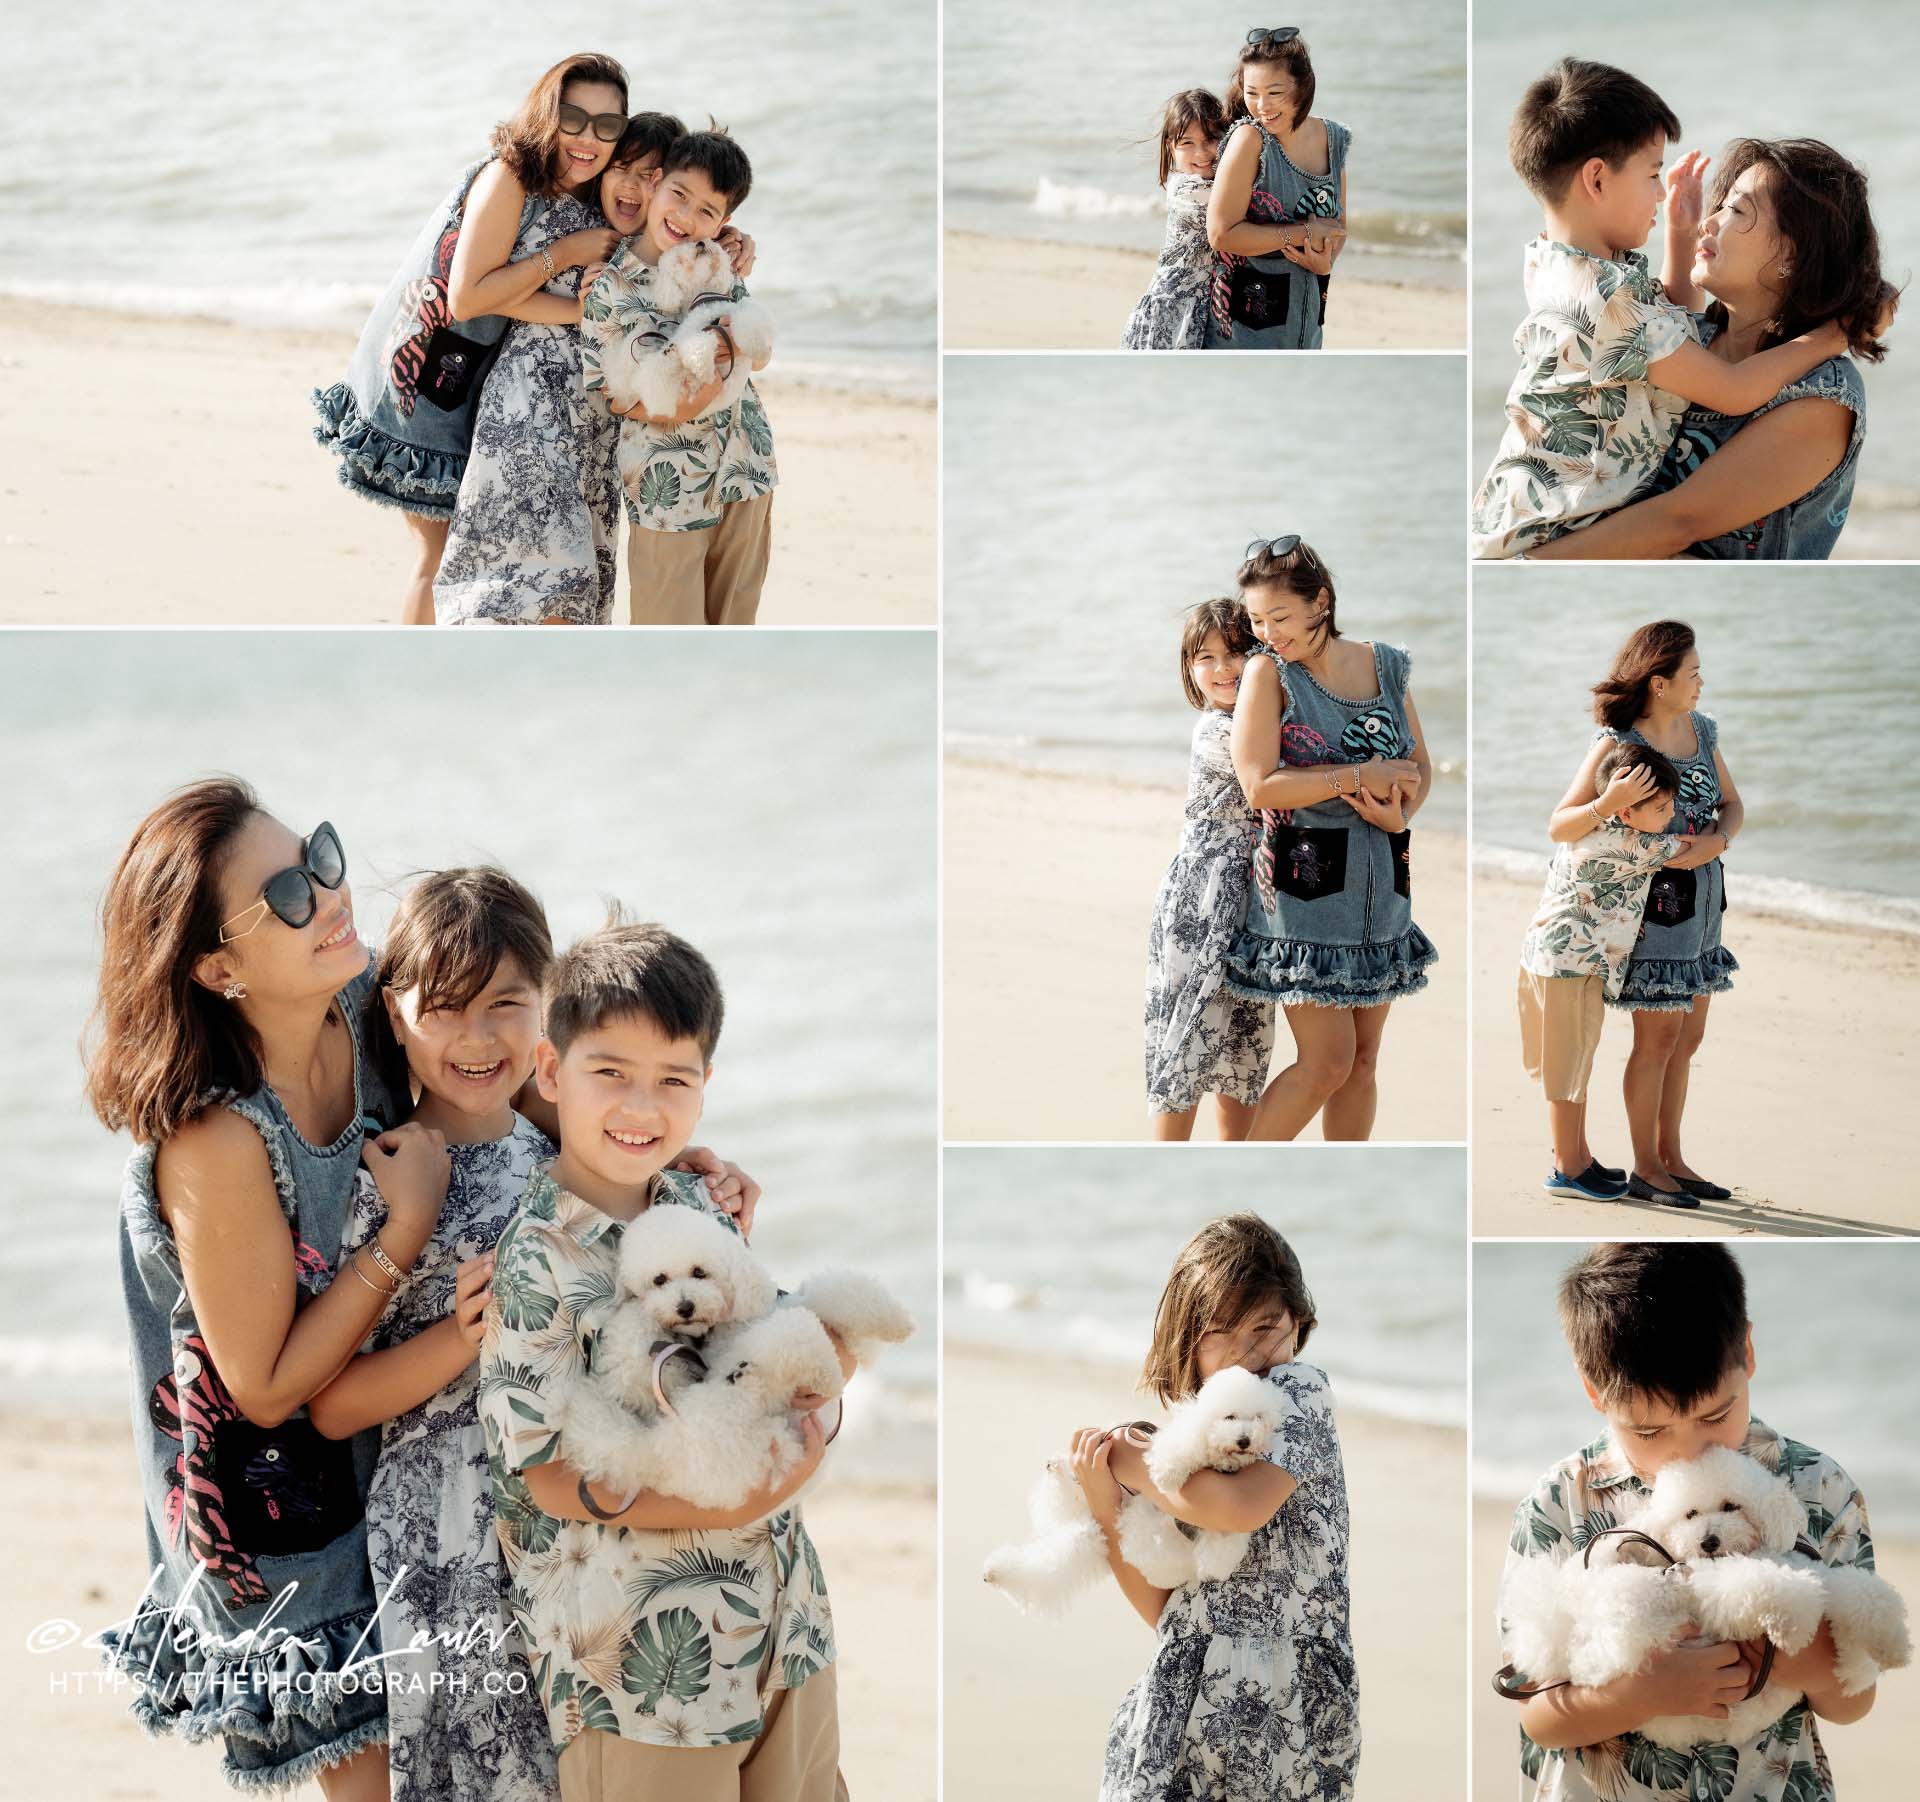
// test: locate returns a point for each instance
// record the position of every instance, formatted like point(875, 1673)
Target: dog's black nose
point(1710, 1544)
point(685, 1310)
point(1243, 1444)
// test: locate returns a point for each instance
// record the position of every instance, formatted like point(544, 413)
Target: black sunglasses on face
point(609, 128)
point(1266, 37)
point(1280, 547)
point(289, 894)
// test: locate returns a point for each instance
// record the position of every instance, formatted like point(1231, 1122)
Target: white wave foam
point(1058, 200)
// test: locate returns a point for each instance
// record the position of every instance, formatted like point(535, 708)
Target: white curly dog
point(1730, 1525)
point(1228, 1425)
point(659, 370)
point(714, 1427)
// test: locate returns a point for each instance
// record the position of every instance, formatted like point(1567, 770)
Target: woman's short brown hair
point(452, 930)
point(1291, 56)
point(1188, 108)
point(1819, 203)
point(1220, 615)
point(1299, 571)
point(529, 142)
point(164, 1041)
point(1230, 1267)
point(1620, 697)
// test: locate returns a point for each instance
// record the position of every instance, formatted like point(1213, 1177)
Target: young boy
point(681, 1652)
point(1573, 959)
point(699, 491)
point(1609, 359)
point(1660, 1336)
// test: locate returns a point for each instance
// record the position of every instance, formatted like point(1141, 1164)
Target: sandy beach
point(1794, 1102)
point(122, 475)
point(1872, 1758)
point(82, 1561)
point(1016, 294)
point(1028, 1700)
point(1050, 881)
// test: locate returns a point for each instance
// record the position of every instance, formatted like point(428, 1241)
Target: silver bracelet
point(353, 1264)
point(546, 262)
point(394, 1273)
point(1599, 818)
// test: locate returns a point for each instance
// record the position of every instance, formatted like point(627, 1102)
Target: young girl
point(455, 1013)
point(1250, 1695)
point(1172, 314)
point(1200, 1039)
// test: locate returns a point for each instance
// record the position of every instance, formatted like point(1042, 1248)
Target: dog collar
point(663, 1350)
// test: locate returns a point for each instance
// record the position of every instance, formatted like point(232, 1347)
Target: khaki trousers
point(711, 577)
point(795, 1759)
point(1560, 1022)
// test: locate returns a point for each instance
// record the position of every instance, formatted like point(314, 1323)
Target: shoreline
point(1037, 294)
point(215, 445)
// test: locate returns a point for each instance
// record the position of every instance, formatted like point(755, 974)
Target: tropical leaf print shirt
point(676, 478)
point(1589, 913)
point(1785, 1762)
point(670, 1638)
point(1586, 428)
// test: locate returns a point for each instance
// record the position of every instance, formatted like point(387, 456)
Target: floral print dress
point(1596, 1489)
point(1172, 314)
point(1201, 1040)
point(465, 1718)
point(534, 526)
point(1251, 1694)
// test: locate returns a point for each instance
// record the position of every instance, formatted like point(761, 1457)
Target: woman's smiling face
point(1271, 95)
point(624, 191)
point(277, 961)
point(1290, 627)
point(582, 155)
point(1740, 249)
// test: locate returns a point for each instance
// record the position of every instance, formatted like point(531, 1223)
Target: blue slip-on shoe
point(1559, 1183)
point(1642, 1190)
point(1598, 1176)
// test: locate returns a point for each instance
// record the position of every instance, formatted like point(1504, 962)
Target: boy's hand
point(1695, 1679)
point(1686, 204)
point(1089, 1456)
point(473, 1289)
point(728, 1184)
point(739, 249)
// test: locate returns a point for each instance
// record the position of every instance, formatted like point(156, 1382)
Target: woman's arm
point(483, 281)
point(216, 1191)
point(1256, 753)
point(1700, 848)
point(1415, 798)
point(1573, 819)
point(1240, 1501)
point(1228, 227)
point(1695, 374)
point(1733, 811)
point(1771, 463)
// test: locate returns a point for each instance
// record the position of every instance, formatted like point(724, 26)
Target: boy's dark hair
point(1221, 615)
point(1579, 110)
point(1631, 756)
point(1228, 1269)
point(1188, 108)
point(717, 157)
point(647, 134)
point(1663, 1321)
point(629, 968)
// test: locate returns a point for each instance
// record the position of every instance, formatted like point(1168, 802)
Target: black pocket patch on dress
point(287, 1488)
point(450, 368)
point(1310, 861)
point(1260, 299)
point(1671, 897)
point(1400, 845)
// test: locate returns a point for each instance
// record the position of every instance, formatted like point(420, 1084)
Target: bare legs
point(362, 1778)
point(1231, 1118)
point(1335, 1051)
point(429, 545)
point(1656, 1089)
point(1673, 1092)
point(1571, 1152)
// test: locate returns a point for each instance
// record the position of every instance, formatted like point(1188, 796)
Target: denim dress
point(1329, 914)
point(402, 421)
point(1807, 529)
point(1678, 954)
point(1281, 195)
point(275, 1514)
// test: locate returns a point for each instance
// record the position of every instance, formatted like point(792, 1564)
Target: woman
point(230, 1014)
point(1278, 164)
point(1651, 696)
point(1325, 730)
point(1788, 244)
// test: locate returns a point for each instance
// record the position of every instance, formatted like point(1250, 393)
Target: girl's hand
point(590, 274)
point(1626, 788)
point(472, 1290)
point(577, 249)
point(1089, 1457)
point(1685, 205)
point(728, 1184)
point(410, 1169)
point(1388, 814)
point(739, 249)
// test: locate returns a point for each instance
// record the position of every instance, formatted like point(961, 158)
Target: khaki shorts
point(711, 577)
point(795, 1759)
point(1560, 1021)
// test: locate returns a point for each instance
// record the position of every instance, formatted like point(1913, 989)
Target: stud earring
point(235, 991)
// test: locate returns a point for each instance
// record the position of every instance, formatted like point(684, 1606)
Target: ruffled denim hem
point(1656, 986)
point(1295, 973)
point(382, 468)
point(284, 1712)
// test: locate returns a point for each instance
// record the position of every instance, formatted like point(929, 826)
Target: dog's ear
point(750, 1291)
point(1781, 1513)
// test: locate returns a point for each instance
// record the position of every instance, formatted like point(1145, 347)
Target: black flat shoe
point(1642, 1190)
point(1702, 1190)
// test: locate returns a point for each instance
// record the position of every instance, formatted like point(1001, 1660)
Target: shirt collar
point(578, 1219)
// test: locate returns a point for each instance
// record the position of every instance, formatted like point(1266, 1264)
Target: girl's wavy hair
point(1228, 1269)
point(448, 938)
point(1291, 56)
point(1221, 615)
point(161, 1040)
point(1188, 108)
point(1299, 571)
point(1819, 203)
point(1659, 649)
point(529, 142)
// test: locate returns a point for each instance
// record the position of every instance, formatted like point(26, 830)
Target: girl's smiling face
point(1263, 1338)
point(472, 1059)
point(1740, 250)
point(1216, 671)
point(1271, 95)
point(582, 155)
point(624, 191)
point(1288, 626)
point(1194, 153)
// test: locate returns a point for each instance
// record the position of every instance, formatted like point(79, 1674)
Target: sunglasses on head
point(609, 128)
point(1267, 37)
point(1279, 547)
point(289, 894)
